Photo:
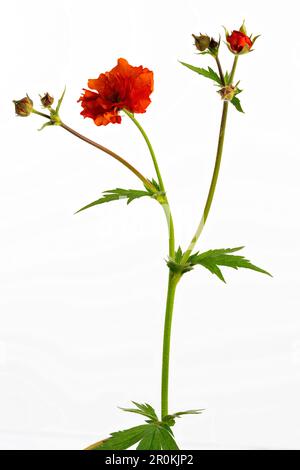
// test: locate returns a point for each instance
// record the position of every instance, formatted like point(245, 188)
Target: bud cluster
point(206, 44)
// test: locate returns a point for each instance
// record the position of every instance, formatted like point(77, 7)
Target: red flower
point(124, 86)
point(238, 41)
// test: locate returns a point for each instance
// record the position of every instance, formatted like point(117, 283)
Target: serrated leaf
point(237, 104)
point(149, 436)
point(122, 440)
point(115, 195)
point(208, 73)
point(170, 419)
point(212, 259)
point(187, 412)
point(151, 439)
point(167, 440)
point(143, 409)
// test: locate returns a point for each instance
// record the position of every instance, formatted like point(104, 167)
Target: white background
point(82, 297)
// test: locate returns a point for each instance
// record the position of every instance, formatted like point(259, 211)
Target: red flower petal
point(124, 86)
point(238, 40)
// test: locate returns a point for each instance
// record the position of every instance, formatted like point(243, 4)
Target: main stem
point(173, 278)
point(173, 281)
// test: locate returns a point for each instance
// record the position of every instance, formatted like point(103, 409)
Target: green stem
point(165, 203)
point(173, 281)
point(117, 157)
point(138, 125)
point(233, 69)
point(213, 184)
point(216, 171)
point(41, 114)
point(220, 70)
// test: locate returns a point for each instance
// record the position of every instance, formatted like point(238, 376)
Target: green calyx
point(54, 118)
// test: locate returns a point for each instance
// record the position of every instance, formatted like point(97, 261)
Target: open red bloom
point(239, 42)
point(124, 86)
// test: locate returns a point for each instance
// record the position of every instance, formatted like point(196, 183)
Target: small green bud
point(24, 106)
point(202, 42)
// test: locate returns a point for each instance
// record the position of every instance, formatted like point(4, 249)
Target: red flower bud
point(47, 100)
point(238, 42)
point(24, 106)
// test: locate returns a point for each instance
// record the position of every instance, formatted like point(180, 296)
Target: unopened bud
point(202, 42)
point(47, 100)
point(24, 106)
point(228, 92)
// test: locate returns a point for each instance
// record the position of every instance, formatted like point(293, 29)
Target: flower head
point(124, 86)
point(24, 106)
point(238, 42)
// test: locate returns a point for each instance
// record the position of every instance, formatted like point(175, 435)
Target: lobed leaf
point(122, 440)
point(143, 409)
point(153, 436)
point(212, 259)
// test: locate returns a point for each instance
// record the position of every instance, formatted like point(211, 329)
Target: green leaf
point(237, 104)
point(153, 436)
point(60, 101)
point(115, 195)
point(170, 419)
point(167, 440)
point(208, 73)
point(226, 77)
point(151, 439)
point(187, 412)
point(122, 440)
point(144, 410)
point(212, 259)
